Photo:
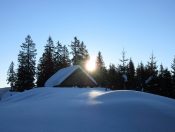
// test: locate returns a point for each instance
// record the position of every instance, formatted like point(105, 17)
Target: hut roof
point(63, 74)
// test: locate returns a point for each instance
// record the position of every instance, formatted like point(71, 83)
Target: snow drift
point(3, 91)
point(85, 110)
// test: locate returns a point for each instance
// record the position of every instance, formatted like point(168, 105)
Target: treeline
point(150, 77)
point(54, 57)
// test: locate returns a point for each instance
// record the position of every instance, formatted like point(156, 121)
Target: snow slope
point(3, 91)
point(86, 110)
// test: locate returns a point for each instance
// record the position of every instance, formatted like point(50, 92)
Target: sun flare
point(91, 65)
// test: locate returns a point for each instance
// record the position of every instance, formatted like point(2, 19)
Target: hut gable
point(71, 76)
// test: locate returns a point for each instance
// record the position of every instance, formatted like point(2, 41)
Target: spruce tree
point(79, 52)
point(168, 89)
point(161, 84)
point(140, 77)
point(151, 73)
point(124, 60)
point(99, 61)
point(122, 69)
point(165, 82)
point(46, 67)
point(84, 55)
point(58, 56)
point(152, 67)
point(173, 72)
point(113, 77)
point(11, 76)
point(75, 51)
point(65, 60)
point(131, 75)
point(173, 76)
point(101, 72)
point(26, 67)
point(61, 57)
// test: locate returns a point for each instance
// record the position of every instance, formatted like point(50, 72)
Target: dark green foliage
point(52, 60)
point(161, 84)
point(140, 77)
point(123, 70)
point(173, 76)
point(58, 56)
point(165, 83)
point(152, 67)
point(173, 72)
point(26, 67)
point(113, 77)
point(11, 76)
point(167, 90)
point(74, 51)
point(65, 61)
point(100, 74)
point(123, 61)
point(151, 72)
point(131, 84)
point(61, 57)
point(79, 52)
point(144, 78)
point(46, 67)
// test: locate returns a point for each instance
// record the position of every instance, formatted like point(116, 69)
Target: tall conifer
point(46, 67)
point(26, 67)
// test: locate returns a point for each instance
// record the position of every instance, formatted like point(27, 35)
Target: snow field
point(85, 110)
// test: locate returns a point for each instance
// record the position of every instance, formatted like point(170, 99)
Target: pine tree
point(75, 51)
point(161, 84)
point(79, 52)
point(122, 69)
point(99, 62)
point(101, 72)
point(11, 76)
point(169, 91)
point(58, 56)
point(84, 55)
point(131, 75)
point(123, 61)
point(151, 72)
point(113, 77)
point(152, 67)
point(140, 77)
point(173, 71)
point(173, 76)
point(165, 82)
point(46, 67)
point(61, 57)
point(65, 61)
point(26, 67)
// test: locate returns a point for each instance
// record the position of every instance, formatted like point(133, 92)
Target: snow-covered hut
point(70, 77)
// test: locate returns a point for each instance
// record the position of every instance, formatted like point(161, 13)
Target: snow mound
point(3, 91)
point(86, 109)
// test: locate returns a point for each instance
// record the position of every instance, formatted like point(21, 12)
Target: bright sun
point(91, 64)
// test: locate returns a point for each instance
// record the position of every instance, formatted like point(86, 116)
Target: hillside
point(85, 110)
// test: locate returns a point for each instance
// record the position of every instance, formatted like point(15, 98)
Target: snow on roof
point(63, 74)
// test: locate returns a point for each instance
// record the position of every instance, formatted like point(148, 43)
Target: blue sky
point(138, 26)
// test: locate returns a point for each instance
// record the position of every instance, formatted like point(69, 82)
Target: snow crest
point(86, 109)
